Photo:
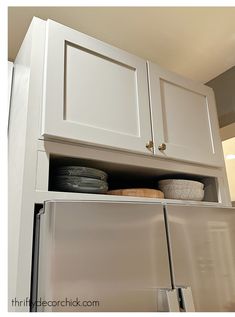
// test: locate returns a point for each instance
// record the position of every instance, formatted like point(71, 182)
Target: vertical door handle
point(168, 300)
point(172, 300)
point(187, 299)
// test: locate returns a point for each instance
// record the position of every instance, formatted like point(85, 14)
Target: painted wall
point(224, 88)
point(229, 155)
point(227, 132)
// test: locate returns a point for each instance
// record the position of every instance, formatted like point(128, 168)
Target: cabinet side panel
point(23, 133)
point(16, 156)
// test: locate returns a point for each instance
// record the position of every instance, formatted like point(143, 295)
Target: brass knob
point(149, 146)
point(162, 147)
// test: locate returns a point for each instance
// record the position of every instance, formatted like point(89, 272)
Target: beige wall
point(196, 42)
point(227, 132)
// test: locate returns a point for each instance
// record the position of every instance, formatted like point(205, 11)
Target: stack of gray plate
point(80, 179)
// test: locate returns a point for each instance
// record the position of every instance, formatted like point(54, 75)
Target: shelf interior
point(127, 176)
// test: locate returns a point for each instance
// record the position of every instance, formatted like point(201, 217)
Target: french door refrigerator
point(125, 256)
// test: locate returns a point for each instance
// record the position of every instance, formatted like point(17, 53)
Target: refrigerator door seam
point(35, 261)
point(169, 247)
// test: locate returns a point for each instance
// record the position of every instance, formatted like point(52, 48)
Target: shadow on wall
point(224, 88)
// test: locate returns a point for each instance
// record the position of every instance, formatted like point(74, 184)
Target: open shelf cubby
point(128, 176)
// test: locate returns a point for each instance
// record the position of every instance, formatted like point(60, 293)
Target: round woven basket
point(182, 189)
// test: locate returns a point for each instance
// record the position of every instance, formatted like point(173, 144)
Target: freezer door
point(202, 243)
point(102, 256)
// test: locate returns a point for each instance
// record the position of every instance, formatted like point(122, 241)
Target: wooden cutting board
point(137, 192)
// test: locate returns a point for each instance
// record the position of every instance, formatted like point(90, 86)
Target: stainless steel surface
point(172, 299)
point(168, 300)
point(202, 248)
point(115, 253)
point(187, 299)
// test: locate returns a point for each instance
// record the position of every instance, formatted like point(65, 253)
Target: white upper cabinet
point(93, 92)
point(184, 119)
point(97, 94)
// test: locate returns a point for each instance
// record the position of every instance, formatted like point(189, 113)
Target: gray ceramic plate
point(80, 184)
point(81, 171)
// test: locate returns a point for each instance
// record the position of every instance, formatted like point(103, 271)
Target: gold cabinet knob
point(149, 145)
point(162, 147)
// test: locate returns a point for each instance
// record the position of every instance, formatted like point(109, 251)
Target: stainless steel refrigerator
point(125, 256)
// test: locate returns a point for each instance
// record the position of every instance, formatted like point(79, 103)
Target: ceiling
point(197, 42)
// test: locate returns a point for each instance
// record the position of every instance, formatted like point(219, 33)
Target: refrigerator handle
point(168, 300)
point(186, 298)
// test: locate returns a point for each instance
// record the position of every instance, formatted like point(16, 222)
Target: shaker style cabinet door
point(93, 92)
point(184, 119)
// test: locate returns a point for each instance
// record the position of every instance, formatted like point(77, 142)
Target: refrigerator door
point(202, 244)
point(102, 256)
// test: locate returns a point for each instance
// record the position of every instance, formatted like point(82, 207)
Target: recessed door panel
point(93, 100)
point(185, 110)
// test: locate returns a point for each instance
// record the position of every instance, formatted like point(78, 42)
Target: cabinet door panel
point(184, 118)
point(114, 100)
point(94, 93)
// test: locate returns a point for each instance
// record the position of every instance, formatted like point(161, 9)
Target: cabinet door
point(111, 253)
point(184, 118)
point(94, 92)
